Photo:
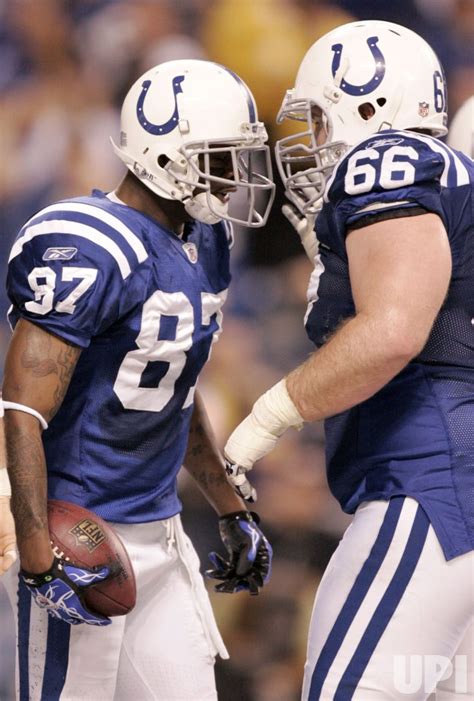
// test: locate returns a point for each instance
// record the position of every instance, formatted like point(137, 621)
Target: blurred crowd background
point(65, 66)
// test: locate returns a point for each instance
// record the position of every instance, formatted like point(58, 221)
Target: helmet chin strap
point(198, 208)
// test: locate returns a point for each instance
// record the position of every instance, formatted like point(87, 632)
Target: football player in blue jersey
point(116, 301)
point(391, 312)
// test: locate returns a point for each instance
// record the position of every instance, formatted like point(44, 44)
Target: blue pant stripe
point(355, 598)
point(385, 609)
point(57, 659)
point(24, 610)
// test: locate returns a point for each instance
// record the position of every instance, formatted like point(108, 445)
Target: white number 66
point(361, 177)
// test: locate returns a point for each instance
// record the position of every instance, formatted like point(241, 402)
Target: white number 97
point(43, 283)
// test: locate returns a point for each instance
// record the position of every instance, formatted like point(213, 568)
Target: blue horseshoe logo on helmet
point(172, 123)
point(376, 79)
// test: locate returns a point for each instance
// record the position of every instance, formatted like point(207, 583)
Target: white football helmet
point(364, 77)
point(461, 129)
point(178, 120)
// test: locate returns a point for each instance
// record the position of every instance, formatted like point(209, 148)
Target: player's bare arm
point(204, 462)
point(38, 370)
point(400, 271)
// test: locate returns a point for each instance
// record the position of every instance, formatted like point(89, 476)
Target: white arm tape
point(5, 488)
point(1, 409)
point(272, 414)
point(276, 411)
point(27, 410)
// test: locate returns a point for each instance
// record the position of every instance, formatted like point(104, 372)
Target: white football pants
point(163, 650)
point(392, 619)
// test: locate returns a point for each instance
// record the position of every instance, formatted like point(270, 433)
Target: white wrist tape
point(26, 410)
point(275, 410)
point(272, 414)
point(1, 409)
point(5, 488)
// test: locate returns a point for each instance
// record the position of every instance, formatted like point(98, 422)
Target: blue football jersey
point(415, 436)
point(145, 307)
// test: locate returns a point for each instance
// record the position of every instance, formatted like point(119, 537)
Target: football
point(85, 539)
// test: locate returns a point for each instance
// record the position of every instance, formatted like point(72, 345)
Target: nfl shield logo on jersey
point(191, 251)
point(423, 109)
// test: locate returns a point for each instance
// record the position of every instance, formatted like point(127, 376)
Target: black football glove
point(248, 566)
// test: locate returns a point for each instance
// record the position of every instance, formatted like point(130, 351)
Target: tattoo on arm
point(45, 358)
point(205, 464)
point(202, 458)
point(198, 441)
point(27, 470)
point(66, 362)
point(207, 479)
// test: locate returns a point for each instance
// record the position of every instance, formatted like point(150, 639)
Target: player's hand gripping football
point(249, 561)
point(60, 590)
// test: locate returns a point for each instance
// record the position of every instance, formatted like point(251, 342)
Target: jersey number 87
point(177, 305)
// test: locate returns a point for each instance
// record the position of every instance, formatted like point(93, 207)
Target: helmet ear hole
point(366, 111)
point(381, 101)
point(162, 160)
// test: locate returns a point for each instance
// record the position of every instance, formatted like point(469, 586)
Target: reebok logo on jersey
point(191, 251)
point(385, 142)
point(59, 253)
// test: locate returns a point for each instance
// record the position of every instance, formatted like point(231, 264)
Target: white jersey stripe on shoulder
point(98, 213)
point(62, 226)
point(462, 176)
